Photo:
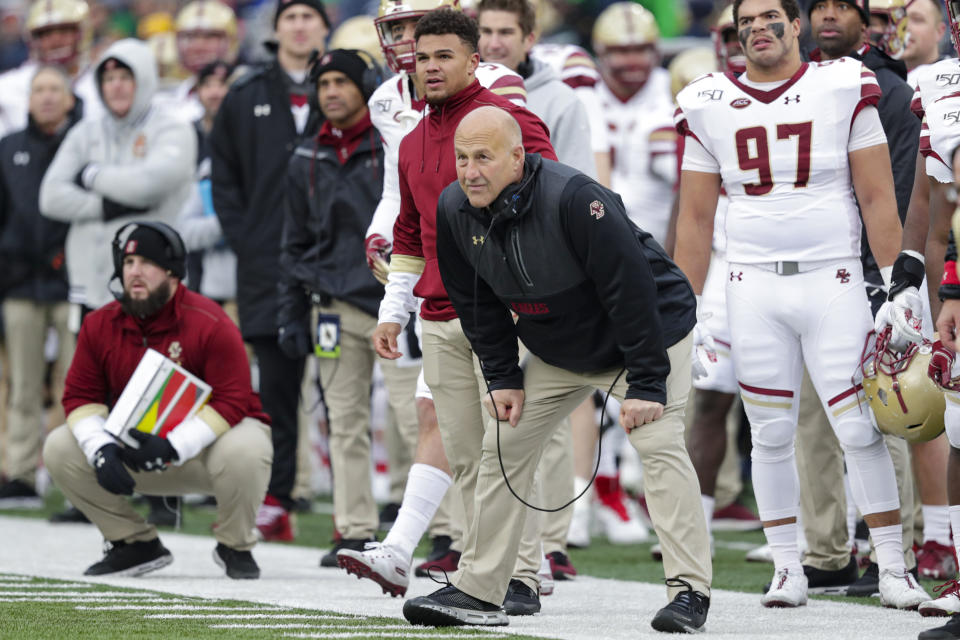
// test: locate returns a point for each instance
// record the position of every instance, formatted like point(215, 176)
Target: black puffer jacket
point(592, 291)
point(31, 245)
point(252, 140)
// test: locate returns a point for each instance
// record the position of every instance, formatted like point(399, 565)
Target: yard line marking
point(296, 625)
point(81, 594)
point(176, 607)
point(15, 578)
point(67, 600)
point(252, 616)
point(45, 585)
point(410, 633)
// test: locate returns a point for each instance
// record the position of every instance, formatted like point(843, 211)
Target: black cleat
point(17, 494)
point(239, 565)
point(520, 600)
point(823, 581)
point(686, 614)
point(949, 631)
point(357, 544)
point(131, 559)
point(450, 607)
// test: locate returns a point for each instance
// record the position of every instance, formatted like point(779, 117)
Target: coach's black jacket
point(592, 291)
point(253, 137)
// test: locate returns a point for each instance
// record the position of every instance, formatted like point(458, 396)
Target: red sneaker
point(560, 566)
point(440, 558)
point(936, 561)
point(273, 521)
point(735, 517)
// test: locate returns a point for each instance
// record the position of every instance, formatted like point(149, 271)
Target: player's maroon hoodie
point(427, 166)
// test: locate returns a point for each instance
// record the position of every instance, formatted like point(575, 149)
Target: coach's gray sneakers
point(686, 614)
point(451, 607)
point(131, 558)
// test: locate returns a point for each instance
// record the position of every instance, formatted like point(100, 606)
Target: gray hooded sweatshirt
point(145, 160)
point(559, 107)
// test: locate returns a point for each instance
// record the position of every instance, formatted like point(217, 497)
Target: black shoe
point(355, 544)
point(451, 607)
point(388, 515)
point(441, 556)
point(164, 512)
point(239, 565)
point(868, 585)
point(131, 559)
point(686, 614)
point(836, 582)
point(302, 505)
point(948, 631)
point(520, 600)
point(17, 494)
point(70, 514)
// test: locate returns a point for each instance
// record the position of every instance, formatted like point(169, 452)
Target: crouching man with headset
point(224, 450)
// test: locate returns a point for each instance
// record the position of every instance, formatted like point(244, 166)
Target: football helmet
point(624, 24)
point(953, 16)
point(195, 25)
point(893, 39)
point(48, 14)
point(397, 51)
point(689, 65)
point(728, 50)
point(904, 400)
point(358, 32)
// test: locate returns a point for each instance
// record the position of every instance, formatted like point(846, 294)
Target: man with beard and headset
point(224, 449)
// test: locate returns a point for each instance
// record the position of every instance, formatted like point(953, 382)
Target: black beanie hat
point(345, 61)
point(283, 5)
point(149, 243)
point(863, 6)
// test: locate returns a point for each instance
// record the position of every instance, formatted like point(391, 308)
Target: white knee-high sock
point(783, 545)
point(708, 502)
point(426, 487)
point(888, 542)
point(936, 523)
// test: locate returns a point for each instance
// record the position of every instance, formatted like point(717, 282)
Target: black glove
point(113, 209)
point(294, 339)
point(111, 474)
point(155, 453)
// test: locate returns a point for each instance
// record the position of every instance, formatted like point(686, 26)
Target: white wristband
point(91, 436)
point(190, 438)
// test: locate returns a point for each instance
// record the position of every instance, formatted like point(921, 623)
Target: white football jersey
point(783, 158)
point(15, 96)
point(578, 71)
point(181, 100)
point(394, 111)
point(641, 130)
point(936, 101)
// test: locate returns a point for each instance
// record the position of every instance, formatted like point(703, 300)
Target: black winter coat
point(252, 140)
point(328, 209)
point(31, 245)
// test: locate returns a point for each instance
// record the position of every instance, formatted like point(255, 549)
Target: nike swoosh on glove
point(941, 365)
point(904, 316)
point(378, 251)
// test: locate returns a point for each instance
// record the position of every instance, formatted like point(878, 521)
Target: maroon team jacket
point(427, 166)
point(190, 329)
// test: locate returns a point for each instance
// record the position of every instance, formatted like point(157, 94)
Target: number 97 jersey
point(783, 157)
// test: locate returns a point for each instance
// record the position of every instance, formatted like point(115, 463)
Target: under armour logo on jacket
point(21, 158)
point(477, 240)
point(736, 276)
point(261, 110)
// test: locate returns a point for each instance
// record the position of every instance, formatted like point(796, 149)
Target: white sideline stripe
point(278, 615)
point(65, 600)
point(81, 594)
point(10, 578)
point(175, 607)
point(411, 633)
point(45, 585)
point(295, 625)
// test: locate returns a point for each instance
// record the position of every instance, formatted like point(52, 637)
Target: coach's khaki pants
point(235, 469)
point(672, 490)
point(26, 323)
point(823, 501)
point(346, 383)
point(453, 374)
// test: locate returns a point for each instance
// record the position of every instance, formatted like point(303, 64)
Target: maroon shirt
point(190, 329)
point(427, 166)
